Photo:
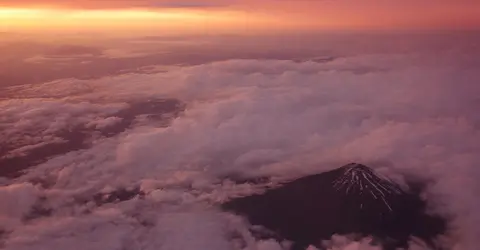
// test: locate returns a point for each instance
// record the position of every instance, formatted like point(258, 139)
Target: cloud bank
point(155, 187)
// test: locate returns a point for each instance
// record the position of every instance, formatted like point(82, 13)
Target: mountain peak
point(352, 199)
point(362, 181)
point(358, 167)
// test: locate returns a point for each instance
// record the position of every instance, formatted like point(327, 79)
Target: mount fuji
point(350, 200)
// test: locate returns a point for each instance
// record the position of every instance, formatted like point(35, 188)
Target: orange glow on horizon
point(283, 16)
point(167, 20)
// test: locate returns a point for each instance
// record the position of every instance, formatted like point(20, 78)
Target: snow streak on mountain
point(361, 180)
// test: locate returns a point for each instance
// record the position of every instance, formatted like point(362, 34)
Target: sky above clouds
point(162, 102)
point(113, 4)
point(245, 16)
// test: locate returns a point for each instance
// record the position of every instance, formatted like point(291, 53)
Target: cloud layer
point(401, 114)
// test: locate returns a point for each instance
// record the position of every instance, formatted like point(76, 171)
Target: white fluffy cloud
point(17, 201)
point(103, 123)
point(37, 121)
point(250, 117)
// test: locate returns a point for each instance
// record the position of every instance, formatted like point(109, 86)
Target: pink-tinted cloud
point(252, 116)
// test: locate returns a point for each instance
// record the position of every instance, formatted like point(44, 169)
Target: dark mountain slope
point(350, 200)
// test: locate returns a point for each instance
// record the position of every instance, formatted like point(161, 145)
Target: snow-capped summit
point(360, 180)
point(353, 199)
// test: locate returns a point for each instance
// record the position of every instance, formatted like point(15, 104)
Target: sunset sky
point(199, 16)
point(132, 124)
